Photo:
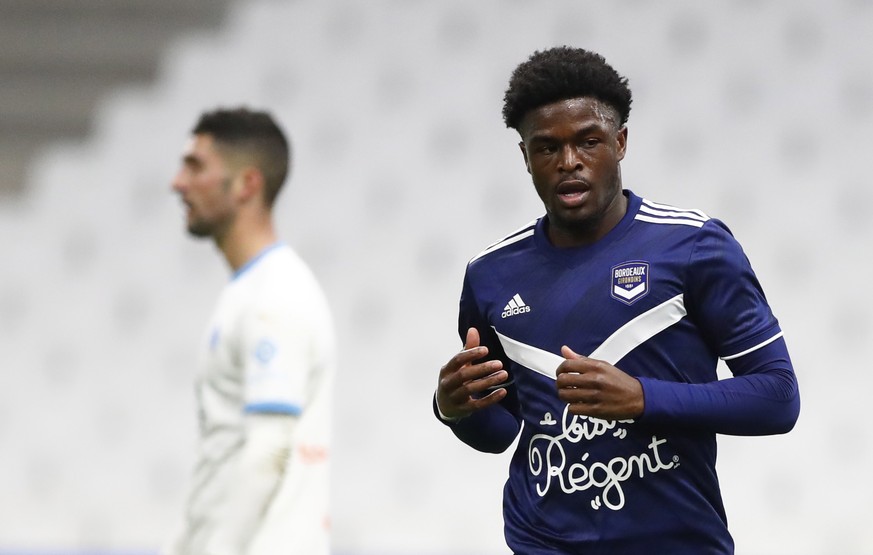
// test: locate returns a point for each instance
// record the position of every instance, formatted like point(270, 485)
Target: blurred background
point(757, 112)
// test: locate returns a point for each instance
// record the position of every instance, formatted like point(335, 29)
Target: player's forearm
point(761, 399)
point(491, 430)
point(257, 476)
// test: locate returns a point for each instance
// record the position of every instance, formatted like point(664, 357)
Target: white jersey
point(270, 349)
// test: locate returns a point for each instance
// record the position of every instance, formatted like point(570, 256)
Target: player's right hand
point(463, 381)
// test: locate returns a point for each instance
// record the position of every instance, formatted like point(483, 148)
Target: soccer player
point(595, 331)
point(260, 485)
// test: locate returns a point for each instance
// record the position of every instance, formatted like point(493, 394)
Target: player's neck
point(243, 242)
point(591, 231)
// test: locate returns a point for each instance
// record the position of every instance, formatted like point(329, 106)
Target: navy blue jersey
point(663, 296)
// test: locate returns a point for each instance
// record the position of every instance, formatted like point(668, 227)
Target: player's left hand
point(596, 388)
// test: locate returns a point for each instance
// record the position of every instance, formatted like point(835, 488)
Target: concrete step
point(58, 57)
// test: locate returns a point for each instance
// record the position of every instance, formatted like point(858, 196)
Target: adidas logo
point(514, 306)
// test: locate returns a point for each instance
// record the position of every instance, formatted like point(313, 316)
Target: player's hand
point(596, 388)
point(463, 381)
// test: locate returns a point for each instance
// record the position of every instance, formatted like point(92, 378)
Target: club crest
point(630, 281)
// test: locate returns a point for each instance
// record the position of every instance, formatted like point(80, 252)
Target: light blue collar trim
point(273, 407)
point(254, 260)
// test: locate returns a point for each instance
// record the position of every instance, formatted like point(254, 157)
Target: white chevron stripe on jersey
point(621, 342)
point(517, 235)
point(639, 330)
point(538, 360)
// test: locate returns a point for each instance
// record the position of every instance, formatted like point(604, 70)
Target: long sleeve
point(762, 398)
point(493, 429)
point(490, 430)
point(727, 303)
point(256, 478)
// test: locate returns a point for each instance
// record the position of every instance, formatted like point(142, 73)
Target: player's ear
point(524, 154)
point(621, 139)
point(252, 183)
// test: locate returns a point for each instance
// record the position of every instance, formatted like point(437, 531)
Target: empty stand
point(757, 113)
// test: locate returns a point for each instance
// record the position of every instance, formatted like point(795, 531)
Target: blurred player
point(595, 332)
point(260, 485)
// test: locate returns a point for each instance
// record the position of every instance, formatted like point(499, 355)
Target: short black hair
point(561, 73)
point(255, 135)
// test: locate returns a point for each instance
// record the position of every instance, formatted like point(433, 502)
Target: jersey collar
point(254, 260)
point(542, 240)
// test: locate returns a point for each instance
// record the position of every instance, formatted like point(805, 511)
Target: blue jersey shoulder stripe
point(655, 213)
point(668, 221)
point(665, 209)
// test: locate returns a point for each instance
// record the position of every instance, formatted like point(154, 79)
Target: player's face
point(204, 184)
point(572, 149)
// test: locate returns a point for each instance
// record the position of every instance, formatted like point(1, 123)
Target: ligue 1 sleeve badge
point(630, 281)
